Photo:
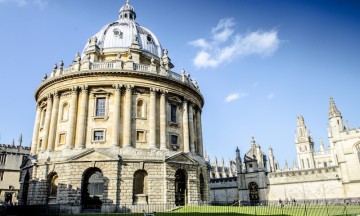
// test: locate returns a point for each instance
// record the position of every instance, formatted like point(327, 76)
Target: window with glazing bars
point(100, 106)
point(98, 135)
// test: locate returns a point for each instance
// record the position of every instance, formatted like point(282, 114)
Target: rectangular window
point(100, 107)
point(98, 135)
point(1, 175)
point(173, 113)
point(174, 140)
point(62, 139)
point(140, 136)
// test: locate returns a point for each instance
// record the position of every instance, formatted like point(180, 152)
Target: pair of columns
point(189, 128)
point(51, 120)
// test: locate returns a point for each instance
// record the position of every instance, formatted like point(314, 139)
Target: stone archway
point(25, 188)
point(180, 188)
point(92, 189)
point(253, 192)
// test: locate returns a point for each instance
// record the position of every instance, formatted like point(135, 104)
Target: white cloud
point(40, 3)
point(216, 52)
point(271, 96)
point(235, 96)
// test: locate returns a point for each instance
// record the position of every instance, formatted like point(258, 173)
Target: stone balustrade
point(120, 65)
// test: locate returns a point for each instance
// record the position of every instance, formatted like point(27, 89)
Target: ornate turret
point(127, 11)
point(238, 161)
point(321, 145)
point(333, 111)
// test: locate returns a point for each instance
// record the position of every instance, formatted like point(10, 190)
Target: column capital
point(153, 90)
point(164, 91)
point(48, 97)
point(129, 87)
point(118, 86)
point(56, 94)
point(74, 89)
point(84, 88)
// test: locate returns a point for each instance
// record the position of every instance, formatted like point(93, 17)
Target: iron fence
point(327, 207)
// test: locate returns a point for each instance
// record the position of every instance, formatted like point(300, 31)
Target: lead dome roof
point(119, 35)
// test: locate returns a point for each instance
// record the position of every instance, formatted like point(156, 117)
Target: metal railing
point(298, 208)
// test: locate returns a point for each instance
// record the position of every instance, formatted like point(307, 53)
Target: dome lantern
point(127, 11)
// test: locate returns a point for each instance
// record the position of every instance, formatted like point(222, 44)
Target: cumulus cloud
point(21, 3)
point(226, 45)
point(235, 96)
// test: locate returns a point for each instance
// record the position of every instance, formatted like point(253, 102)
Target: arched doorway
point(202, 188)
point(180, 188)
point(25, 190)
point(253, 192)
point(92, 189)
point(52, 188)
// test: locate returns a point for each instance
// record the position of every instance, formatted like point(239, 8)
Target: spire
point(294, 165)
point(253, 145)
point(321, 145)
point(286, 165)
point(223, 172)
point(333, 111)
point(127, 11)
point(301, 131)
point(230, 169)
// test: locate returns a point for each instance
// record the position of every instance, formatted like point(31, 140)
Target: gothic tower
point(304, 145)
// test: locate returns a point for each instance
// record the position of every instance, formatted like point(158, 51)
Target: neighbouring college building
point(326, 173)
point(117, 127)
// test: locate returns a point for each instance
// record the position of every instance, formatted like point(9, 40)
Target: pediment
point(181, 158)
point(93, 155)
point(174, 99)
point(100, 91)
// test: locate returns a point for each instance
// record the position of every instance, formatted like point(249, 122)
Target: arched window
point(140, 187)
point(141, 109)
point(92, 189)
point(140, 182)
point(357, 147)
point(43, 117)
point(308, 162)
point(180, 187)
point(25, 189)
point(53, 187)
point(202, 188)
point(302, 163)
point(65, 112)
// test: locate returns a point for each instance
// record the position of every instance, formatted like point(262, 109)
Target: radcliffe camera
point(179, 107)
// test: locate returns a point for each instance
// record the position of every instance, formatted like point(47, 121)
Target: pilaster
point(191, 128)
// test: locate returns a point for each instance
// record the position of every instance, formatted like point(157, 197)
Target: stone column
point(127, 117)
point(152, 119)
point(53, 122)
point(81, 123)
point(72, 118)
point(186, 127)
point(163, 120)
point(35, 136)
point(116, 120)
point(199, 133)
point(47, 123)
point(191, 128)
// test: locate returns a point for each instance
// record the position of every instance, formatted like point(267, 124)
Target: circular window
point(117, 32)
point(149, 38)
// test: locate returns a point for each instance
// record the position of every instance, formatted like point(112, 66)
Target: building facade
point(117, 127)
point(11, 158)
point(327, 173)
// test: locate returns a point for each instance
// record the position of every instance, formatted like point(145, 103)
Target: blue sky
point(259, 64)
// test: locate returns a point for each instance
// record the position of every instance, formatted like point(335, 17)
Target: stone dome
point(119, 35)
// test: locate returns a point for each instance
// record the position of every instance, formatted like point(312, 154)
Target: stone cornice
point(125, 73)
